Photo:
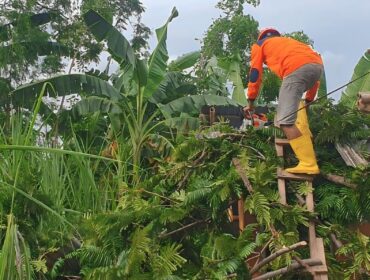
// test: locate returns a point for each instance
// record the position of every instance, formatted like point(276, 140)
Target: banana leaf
point(183, 123)
point(158, 59)
point(234, 76)
point(93, 104)
point(232, 70)
point(349, 95)
point(184, 62)
point(84, 85)
point(118, 46)
point(171, 88)
point(193, 104)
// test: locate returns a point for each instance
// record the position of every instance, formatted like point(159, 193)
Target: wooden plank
point(282, 191)
point(282, 174)
point(320, 271)
point(279, 146)
point(281, 141)
point(279, 150)
point(321, 250)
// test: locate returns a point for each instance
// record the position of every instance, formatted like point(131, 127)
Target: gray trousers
point(292, 89)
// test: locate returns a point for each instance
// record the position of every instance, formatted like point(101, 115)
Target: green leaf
point(8, 270)
point(184, 62)
point(36, 20)
point(64, 85)
point(142, 72)
point(183, 123)
point(323, 88)
point(36, 48)
point(168, 261)
point(171, 88)
point(118, 46)
point(193, 104)
point(234, 76)
point(158, 59)
point(94, 104)
point(349, 95)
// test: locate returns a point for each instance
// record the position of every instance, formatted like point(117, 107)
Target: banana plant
point(144, 94)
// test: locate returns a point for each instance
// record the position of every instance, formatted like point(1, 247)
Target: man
point(300, 68)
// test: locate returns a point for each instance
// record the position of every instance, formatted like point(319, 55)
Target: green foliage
point(24, 29)
point(235, 7)
point(324, 121)
point(14, 255)
point(301, 37)
point(230, 37)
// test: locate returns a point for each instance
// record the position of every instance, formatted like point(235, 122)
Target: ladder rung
point(318, 269)
point(290, 176)
point(281, 141)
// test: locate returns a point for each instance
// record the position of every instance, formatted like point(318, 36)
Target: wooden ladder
point(316, 245)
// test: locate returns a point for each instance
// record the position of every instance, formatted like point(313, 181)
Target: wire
point(326, 95)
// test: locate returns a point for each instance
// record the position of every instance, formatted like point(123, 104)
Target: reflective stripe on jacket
point(282, 56)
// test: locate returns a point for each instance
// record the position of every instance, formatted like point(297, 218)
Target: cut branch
point(293, 266)
point(189, 170)
point(183, 228)
point(340, 180)
point(306, 266)
point(277, 254)
point(242, 174)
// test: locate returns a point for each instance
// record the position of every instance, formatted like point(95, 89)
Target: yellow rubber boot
point(303, 149)
point(302, 120)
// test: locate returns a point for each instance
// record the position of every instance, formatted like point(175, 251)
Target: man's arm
point(255, 73)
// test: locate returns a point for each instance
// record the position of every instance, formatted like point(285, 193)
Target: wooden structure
point(316, 264)
point(316, 245)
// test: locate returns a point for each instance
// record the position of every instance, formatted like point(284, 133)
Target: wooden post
point(241, 214)
point(282, 191)
point(212, 115)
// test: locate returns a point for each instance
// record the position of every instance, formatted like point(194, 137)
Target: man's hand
point(249, 107)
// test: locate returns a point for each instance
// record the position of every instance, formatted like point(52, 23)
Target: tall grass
point(46, 192)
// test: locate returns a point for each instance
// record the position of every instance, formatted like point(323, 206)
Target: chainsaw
point(236, 116)
point(257, 120)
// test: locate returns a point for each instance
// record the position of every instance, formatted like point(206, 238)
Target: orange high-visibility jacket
point(283, 56)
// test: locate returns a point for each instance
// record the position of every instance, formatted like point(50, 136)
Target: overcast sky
point(339, 28)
